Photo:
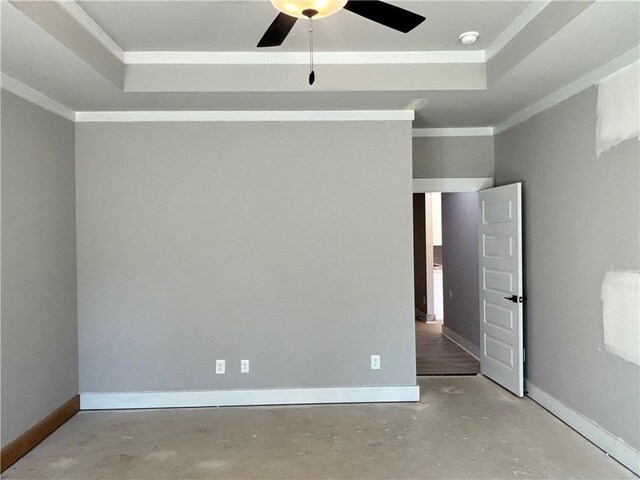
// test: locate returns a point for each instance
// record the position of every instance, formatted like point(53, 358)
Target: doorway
point(446, 296)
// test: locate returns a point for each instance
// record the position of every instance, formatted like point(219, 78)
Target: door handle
point(514, 299)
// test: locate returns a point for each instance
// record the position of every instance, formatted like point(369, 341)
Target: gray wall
point(39, 327)
point(581, 220)
point(288, 244)
point(460, 226)
point(451, 157)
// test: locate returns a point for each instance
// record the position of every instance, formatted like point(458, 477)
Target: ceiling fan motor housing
point(310, 12)
point(297, 8)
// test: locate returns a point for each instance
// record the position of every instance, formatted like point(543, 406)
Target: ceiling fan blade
point(385, 14)
point(277, 31)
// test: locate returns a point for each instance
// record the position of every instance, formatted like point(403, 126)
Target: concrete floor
point(463, 427)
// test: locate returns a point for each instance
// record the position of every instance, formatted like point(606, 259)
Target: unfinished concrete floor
point(463, 427)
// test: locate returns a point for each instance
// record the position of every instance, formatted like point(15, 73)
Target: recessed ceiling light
point(469, 38)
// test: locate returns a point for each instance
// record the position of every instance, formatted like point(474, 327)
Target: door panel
point(499, 316)
point(500, 247)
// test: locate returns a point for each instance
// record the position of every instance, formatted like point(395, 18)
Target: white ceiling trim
point(453, 132)
point(18, 88)
point(89, 24)
point(31, 95)
point(247, 116)
point(295, 58)
point(515, 27)
point(570, 90)
point(301, 58)
point(450, 185)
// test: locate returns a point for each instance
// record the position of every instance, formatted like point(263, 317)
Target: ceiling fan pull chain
point(312, 75)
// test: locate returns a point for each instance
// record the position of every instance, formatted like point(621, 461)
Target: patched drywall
point(581, 220)
point(621, 314)
point(617, 108)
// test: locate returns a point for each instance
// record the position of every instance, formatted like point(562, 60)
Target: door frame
point(451, 185)
point(445, 185)
point(454, 185)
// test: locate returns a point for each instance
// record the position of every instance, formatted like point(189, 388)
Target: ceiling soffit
point(283, 71)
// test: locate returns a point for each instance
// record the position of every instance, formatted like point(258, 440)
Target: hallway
point(437, 355)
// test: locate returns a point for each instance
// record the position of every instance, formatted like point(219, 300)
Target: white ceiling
point(237, 26)
point(600, 33)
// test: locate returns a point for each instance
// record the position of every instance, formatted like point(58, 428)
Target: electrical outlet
point(244, 366)
point(220, 367)
point(375, 362)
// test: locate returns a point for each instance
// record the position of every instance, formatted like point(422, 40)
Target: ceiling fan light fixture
point(295, 8)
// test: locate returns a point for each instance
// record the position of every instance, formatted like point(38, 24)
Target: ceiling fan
point(374, 10)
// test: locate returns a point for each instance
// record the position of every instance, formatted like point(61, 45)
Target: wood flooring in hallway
point(437, 355)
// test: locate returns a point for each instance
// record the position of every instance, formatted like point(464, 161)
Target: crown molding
point(570, 90)
point(31, 95)
point(516, 26)
point(18, 88)
point(75, 11)
point(247, 116)
point(452, 132)
point(302, 58)
point(90, 25)
point(38, 98)
point(68, 26)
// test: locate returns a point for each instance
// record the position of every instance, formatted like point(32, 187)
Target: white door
point(501, 291)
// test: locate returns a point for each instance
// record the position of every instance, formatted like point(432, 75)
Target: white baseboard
point(462, 342)
point(615, 447)
point(226, 398)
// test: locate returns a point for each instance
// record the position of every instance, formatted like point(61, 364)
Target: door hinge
point(524, 355)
